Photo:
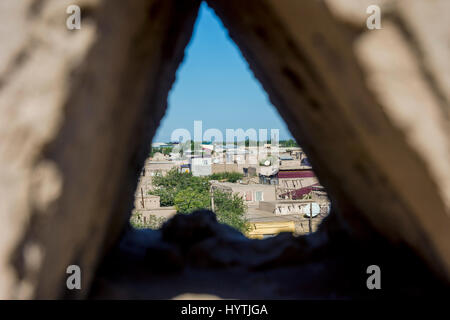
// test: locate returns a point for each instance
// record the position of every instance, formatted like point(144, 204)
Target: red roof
point(293, 174)
point(299, 193)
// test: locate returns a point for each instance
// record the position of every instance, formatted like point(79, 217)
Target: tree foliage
point(164, 150)
point(288, 143)
point(152, 221)
point(189, 193)
point(168, 186)
point(228, 176)
point(189, 199)
point(230, 209)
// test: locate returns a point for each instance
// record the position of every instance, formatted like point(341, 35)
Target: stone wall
point(73, 103)
point(79, 109)
point(364, 105)
point(226, 167)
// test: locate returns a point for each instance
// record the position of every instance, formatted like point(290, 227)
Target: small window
point(258, 196)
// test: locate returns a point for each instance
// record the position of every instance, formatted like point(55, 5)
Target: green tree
point(189, 199)
point(166, 196)
point(230, 209)
point(166, 151)
point(228, 176)
point(189, 193)
point(152, 221)
point(167, 187)
point(288, 143)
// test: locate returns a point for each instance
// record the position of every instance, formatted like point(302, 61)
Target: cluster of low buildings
point(277, 182)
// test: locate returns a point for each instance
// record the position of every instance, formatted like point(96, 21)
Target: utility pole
point(310, 217)
point(212, 197)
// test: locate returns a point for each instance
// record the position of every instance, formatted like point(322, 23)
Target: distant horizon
point(214, 84)
point(227, 142)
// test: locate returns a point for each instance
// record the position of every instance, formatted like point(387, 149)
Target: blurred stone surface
point(428, 31)
point(80, 107)
point(221, 263)
point(354, 12)
point(381, 158)
point(73, 103)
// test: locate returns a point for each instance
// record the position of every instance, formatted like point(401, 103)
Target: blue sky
point(214, 84)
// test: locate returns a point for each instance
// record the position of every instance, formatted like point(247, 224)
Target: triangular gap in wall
point(199, 139)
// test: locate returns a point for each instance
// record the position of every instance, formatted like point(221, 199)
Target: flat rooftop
point(256, 215)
